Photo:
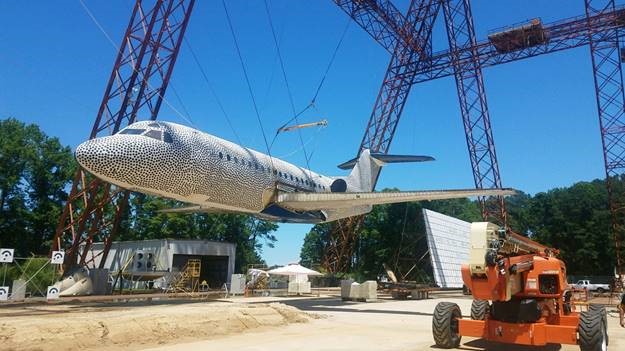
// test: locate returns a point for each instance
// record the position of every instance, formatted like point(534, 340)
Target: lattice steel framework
point(606, 64)
point(465, 59)
point(473, 106)
point(389, 104)
point(135, 89)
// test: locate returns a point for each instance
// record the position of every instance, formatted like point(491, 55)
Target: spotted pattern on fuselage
point(179, 162)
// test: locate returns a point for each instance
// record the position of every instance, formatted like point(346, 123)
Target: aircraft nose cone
point(85, 154)
point(99, 156)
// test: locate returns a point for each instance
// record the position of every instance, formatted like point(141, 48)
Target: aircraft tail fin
point(366, 168)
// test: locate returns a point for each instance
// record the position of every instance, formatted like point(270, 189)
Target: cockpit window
point(154, 134)
point(132, 131)
point(167, 138)
point(154, 125)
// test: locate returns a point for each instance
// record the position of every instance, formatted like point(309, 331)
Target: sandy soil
point(134, 326)
point(387, 325)
point(323, 323)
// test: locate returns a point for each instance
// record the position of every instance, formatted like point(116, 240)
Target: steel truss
point(598, 28)
point(608, 75)
point(135, 89)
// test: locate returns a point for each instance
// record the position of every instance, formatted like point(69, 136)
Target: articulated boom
point(520, 297)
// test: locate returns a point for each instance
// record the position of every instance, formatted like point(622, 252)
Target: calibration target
point(53, 292)
point(6, 255)
point(4, 293)
point(57, 257)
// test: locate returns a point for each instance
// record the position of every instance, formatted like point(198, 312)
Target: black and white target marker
point(4, 293)
point(6, 255)
point(57, 257)
point(53, 292)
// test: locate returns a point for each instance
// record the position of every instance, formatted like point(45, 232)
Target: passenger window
point(228, 157)
point(255, 165)
point(291, 177)
point(249, 164)
point(221, 155)
point(280, 174)
point(275, 172)
point(236, 160)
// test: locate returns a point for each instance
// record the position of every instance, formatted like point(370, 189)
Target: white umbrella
point(293, 269)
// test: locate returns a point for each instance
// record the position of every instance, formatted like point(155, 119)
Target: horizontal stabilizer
point(385, 158)
point(316, 201)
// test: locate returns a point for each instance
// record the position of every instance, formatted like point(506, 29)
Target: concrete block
point(346, 288)
point(18, 292)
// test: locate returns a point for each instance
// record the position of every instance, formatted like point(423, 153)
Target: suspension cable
point(212, 90)
point(247, 80)
point(97, 23)
point(325, 74)
point(286, 83)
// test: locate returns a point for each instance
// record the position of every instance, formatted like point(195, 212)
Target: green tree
point(34, 172)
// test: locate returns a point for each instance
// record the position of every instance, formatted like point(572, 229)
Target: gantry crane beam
point(605, 51)
point(560, 35)
point(383, 21)
point(135, 89)
point(386, 113)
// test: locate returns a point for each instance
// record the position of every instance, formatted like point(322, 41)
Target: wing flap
point(318, 201)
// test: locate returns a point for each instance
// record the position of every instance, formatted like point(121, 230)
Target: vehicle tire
point(445, 325)
point(480, 309)
point(592, 331)
point(601, 310)
point(600, 290)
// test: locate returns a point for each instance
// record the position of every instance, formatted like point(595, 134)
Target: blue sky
point(55, 62)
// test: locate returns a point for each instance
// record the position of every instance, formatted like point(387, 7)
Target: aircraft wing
point(318, 201)
point(195, 209)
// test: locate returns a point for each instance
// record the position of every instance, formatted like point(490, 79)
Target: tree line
point(36, 171)
point(575, 220)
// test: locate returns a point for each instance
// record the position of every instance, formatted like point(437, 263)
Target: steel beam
point(385, 117)
point(473, 106)
point(608, 76)
point(562, 35)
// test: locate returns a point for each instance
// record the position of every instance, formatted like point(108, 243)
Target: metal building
point(449, 243)
point(169, 255)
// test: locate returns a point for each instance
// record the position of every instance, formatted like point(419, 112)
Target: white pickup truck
point(586, 284)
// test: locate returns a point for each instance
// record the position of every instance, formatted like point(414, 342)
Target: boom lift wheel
point(601, 310)
point(592, 331)
point(445, 325)
point(479, 309)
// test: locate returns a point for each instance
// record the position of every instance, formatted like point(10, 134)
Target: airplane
point(217, 176)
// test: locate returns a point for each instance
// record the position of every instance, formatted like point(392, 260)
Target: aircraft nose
point(99, 156)
point(84, 154)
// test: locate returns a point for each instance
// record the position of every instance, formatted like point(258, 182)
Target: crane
point(408, 38)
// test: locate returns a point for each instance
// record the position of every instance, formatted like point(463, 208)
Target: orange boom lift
point(520, 297)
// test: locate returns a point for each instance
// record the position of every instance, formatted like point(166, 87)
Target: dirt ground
point(134, 326)
point(321, 323)
point(385, 325)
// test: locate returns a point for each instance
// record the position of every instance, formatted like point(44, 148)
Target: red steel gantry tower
point(408, 39)
point(141, 73)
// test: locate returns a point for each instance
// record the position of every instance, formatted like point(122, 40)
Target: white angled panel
point(448, 240)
